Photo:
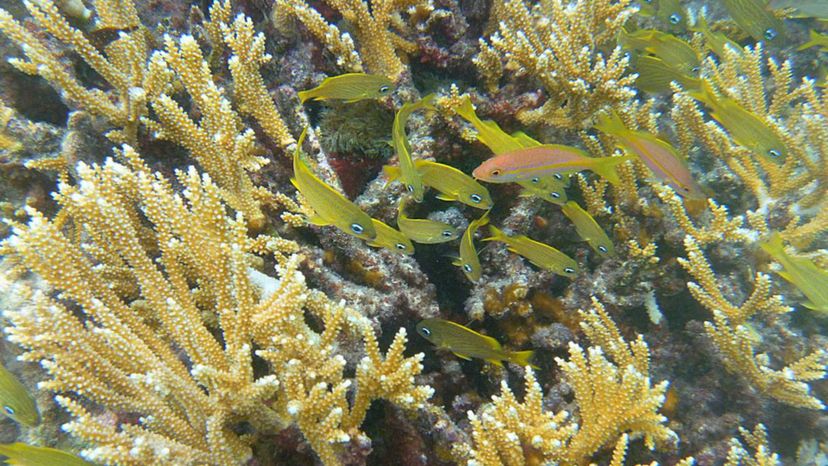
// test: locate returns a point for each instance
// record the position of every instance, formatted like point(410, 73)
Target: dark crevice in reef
point(32, 97)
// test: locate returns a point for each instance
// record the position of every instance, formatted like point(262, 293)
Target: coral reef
point(170, 298)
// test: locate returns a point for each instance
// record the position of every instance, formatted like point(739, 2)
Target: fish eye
point(558, 176)
point(357, 228)
point(448, 233)
point(426, 332)
point(770, 34)
point(410, 188)
point(774, 153)
point(603, 249)
point(9, 410)
point(495, 172)
point(536, 180)
point(569, 270)
point(675, 18)
point(695, 69)
point(384, 89)
point(400, 246)
point(467, 268)
point(555, 195)
point(476, 198)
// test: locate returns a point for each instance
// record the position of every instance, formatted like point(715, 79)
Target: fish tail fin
point(392, 172)
point(306, 95)
point(466, 110)
point(773, 245)
point(811, 43)
point(523, 358)
point(497, 234)
point(606, 167)
point(611, 123)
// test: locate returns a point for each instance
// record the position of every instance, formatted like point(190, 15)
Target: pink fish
point(545, 160)
point(658, 155)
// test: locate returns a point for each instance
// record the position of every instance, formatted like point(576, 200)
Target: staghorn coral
point(613, 394)
point(123, 63)
point(380, 49)
point(171, 356)
point(568, 48)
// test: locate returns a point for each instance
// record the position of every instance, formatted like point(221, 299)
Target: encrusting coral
point(175, 349)
point(560, 44)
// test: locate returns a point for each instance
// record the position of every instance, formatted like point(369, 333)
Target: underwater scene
point(414, 232)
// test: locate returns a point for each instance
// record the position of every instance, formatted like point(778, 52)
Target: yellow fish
point(390, 239)
point(542, 255)
point(755, 18)
point(29, 455)
point(545, 160)
point(715, 41)
point(488, 132)
point(351, 87)
point(331, 207)
point(674, 52)
point(816, 40)
point(465, 343)
point(588, 229)
point(452, 184)
point(423, 230)
point(744, 127)
point(655, 76)
point(17, 403)
point(549, 188)
point(811, 280)
point(659, 156)
point(410, 176)
point(468, 260)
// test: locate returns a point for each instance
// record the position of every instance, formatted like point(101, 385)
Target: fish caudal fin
point(523, 358)
point(606, 167)
point(497, 234)
point(610, 123)
point(392, 172)
point(306, 95)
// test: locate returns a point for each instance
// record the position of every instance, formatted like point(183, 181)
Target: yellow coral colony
point(612, 390)
point(794, 190)
point(381, 51)
point(183, 276)
point(557, 42)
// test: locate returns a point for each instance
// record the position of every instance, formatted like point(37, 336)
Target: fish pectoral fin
point(462, 356)
point(446, 197)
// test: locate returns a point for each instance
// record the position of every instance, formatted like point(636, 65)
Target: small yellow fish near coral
point(423, 230)
point(330, 207)
point(409, 175)
point(540, 254)
point(816, 40)
point(468, 260)
point(673, 51)
point(16, 401)
point(350, 87)
point(755, 18)
point(545, 160)
point(466, 343)
point(452, 184)
point(22, 454)
point(588, 229)
point(659, 156)
point(811, 280)
point(390, 239)
point(746, 128)
point(655, 76)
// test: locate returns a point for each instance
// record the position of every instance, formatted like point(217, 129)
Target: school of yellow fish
point(542, 170)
